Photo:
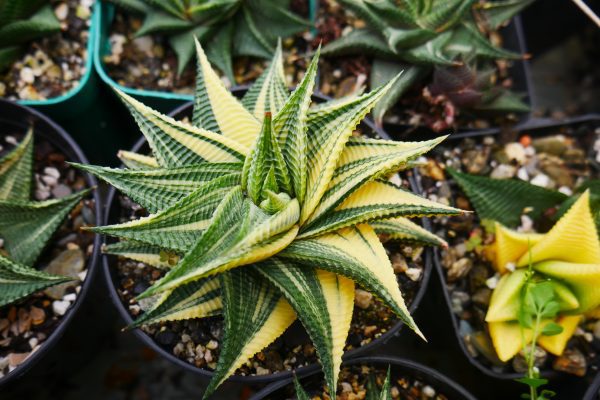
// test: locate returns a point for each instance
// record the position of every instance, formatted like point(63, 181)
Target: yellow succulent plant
point(568, 256)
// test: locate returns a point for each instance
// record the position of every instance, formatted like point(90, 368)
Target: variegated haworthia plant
point(26, 226)
point(372, 391)
point(22, 21)
point(417, 37)
point(261, 210)
point(232, 27)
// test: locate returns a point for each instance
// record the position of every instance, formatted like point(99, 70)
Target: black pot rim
point(593, 390)
point(59, 138)
point(126, 317)
point(378, 360)
point(533, 125)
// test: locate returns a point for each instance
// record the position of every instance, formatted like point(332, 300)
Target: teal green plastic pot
point(161, 101)
point(75, 102)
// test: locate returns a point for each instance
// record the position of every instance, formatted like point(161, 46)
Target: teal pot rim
point(103, 17)
point(111, 210)
point(89, 67)
point(450, 387)
point(21, 116)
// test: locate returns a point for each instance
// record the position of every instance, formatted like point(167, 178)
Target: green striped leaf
point(323, 302)
point(16, 168)
point(142, 252)
point(328, 132)
point(198, 299)
point(217, 110)
point(364, 160)
point(355, 253)
point(290, 127)
point(264, 168)
point(406, 230)
point(498, 13)
point(18, 281)
point(467, 39)
point(26, 227)
point(300, 392)
point(175, 143)
point(136, 161)
point(158, 188)
point(359, 41)
point(504, 200)
point(255, 315)
point(374, 201)
point(239, 233)
point(269, 93)
point(179, 226)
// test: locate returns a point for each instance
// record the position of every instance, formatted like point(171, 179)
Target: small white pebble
point(70, 297)
point(11, 140)
point(510, 266)
point(522, 174)
point(262, 371)
point(208, 356)
point(212, 345)
point(493, 281)
point(51, 171)
point(565, 190)
point(414, 273)
point(428, 391)
point(541, 180)
point(26, 74)
point(346, 387)
point(60, 307)
point(61, 11)
point(33, 342)
point(82, 275)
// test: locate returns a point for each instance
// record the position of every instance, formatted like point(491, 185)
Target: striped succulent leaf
point(415, 36)
point(26, 226)
point(404, 229)
point(18, 281)
point(230, 194)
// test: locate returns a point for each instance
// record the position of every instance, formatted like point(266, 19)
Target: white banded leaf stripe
point(18, 281)
point(255, 315)
point(158, 188)
point(269, 92)
point(355, 253)
point(364, 160)
point(179, 226)
point(175, 143)
point(374, 201)
point(323, 302)
point(239, 233)
point(16, 169)
point(290, 128)
point(142, 252)
point(404, 229)
point(217, 110)
point(136, 161)
point(198, 299)
point(26, 227)
point(328, 133)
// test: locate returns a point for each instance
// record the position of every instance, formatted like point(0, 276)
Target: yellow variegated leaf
point(582, 279)
point(404, 229)
point(572, 239)
point(507, 338)
point(556, 344)
point(136, 161)
point(511, 245)
point(142, 252)
point(374, 201)
point(506, 297)
point(217, 110)
point(175, 143)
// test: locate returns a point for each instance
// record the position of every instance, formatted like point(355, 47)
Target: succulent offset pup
point(419, 36)
point(372, 392)
point(26, 226)
point(232, 27)
point(261, 211)
point(20, 22)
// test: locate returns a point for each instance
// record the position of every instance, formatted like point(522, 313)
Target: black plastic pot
point(399, 367)
point(537, 129)
point(112, 213)
point(593, 392)
point(14, 117)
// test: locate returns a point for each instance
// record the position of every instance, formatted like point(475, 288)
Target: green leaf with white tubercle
point(16, 169)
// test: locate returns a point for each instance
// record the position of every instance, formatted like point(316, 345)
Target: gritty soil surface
point(52, 66)
point(341, 76)
point(25, 325)
point(149, 63)
point(558, 159)
point(352, 385)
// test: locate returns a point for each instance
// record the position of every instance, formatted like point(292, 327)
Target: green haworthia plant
point(26, 226)
point(20, 22)
point(372, 393)
point(261, 211)
point(416, 37)
point(226, 27)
